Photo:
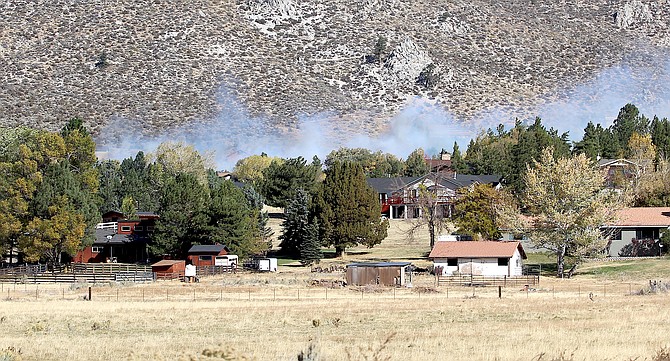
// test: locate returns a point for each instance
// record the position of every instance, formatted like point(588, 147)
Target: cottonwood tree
point(415, 165)
point(177, 157)
point(348, 209)
point(49, 237)
point(250, 169)
point(569, 204)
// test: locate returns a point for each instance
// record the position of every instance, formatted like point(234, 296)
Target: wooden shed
point(380, 273)
point(168, 269)
point(205, 254)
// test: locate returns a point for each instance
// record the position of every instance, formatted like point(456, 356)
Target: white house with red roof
point(480, 258)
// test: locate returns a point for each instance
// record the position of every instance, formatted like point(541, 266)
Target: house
point(480, 258)
point(380, 273)
point(205, 255)
point(636, 231)
point(400, 196)
point(619, 172)
point(440, 165)
point(120, 240)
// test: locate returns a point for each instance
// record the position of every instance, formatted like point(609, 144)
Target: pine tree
point(184, 217)
point(348, 209)
point(457, 162)
point(295, 224)
point(233, 223)
point(310, 247)
point(282, 178)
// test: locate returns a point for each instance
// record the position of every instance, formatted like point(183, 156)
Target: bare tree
point(431, 202)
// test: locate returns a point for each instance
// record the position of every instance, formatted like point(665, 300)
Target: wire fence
point(172, 292)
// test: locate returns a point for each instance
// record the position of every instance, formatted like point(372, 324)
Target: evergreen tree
point(660, 135)
point(295, 224)
point(184, 219)
point(233, 223)
point(110, 185)
point(415, 165)
point(590, 143)
point(457, 162)
point(282, 179)
point(310, 247)
point(256, 201)
point(529, 148)
point(628, 121)
point(348, 209)
point(475, 212)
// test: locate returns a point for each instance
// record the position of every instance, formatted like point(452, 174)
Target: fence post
point(89, 293)
point(499, 291)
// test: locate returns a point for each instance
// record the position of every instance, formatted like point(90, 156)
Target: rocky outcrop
point(633, 14)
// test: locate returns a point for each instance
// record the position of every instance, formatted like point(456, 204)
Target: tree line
point(53, 189)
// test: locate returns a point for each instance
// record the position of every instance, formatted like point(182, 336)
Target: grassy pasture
point(594, 316)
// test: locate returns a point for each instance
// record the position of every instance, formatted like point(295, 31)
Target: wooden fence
point(89, 273)
point(108, 268)
point(505, 281)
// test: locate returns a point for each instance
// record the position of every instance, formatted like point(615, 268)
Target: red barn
point(205, 255)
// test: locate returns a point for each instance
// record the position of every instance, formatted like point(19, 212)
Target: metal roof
point(207, 248)
point(476, 249)
point(167, 262)
point(379, 264)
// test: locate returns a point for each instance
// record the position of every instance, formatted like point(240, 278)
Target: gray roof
point(390, 185)
point(207, 248)
point(379, 264)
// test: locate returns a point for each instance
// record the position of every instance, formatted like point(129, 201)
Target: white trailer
point(267, 264)
point(229, 260)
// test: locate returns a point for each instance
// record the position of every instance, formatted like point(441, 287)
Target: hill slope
point(166, 63)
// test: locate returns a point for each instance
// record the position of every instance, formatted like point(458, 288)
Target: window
point(96, 249)
point(150, 228)
point(125, 228)
point(452, 262)
point(503, 261)
point(138, 228)
point(205, 258)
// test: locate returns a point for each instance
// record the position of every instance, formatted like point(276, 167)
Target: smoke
point(235, 134)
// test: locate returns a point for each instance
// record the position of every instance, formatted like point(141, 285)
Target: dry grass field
point(597, 315)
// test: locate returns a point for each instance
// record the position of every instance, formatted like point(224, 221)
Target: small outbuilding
point(205, 254)
point(168, 269)
point(480, 258)
point(379, 273)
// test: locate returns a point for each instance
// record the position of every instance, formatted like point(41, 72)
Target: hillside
point(169, 63)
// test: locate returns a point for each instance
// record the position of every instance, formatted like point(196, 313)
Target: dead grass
point(252, 316)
